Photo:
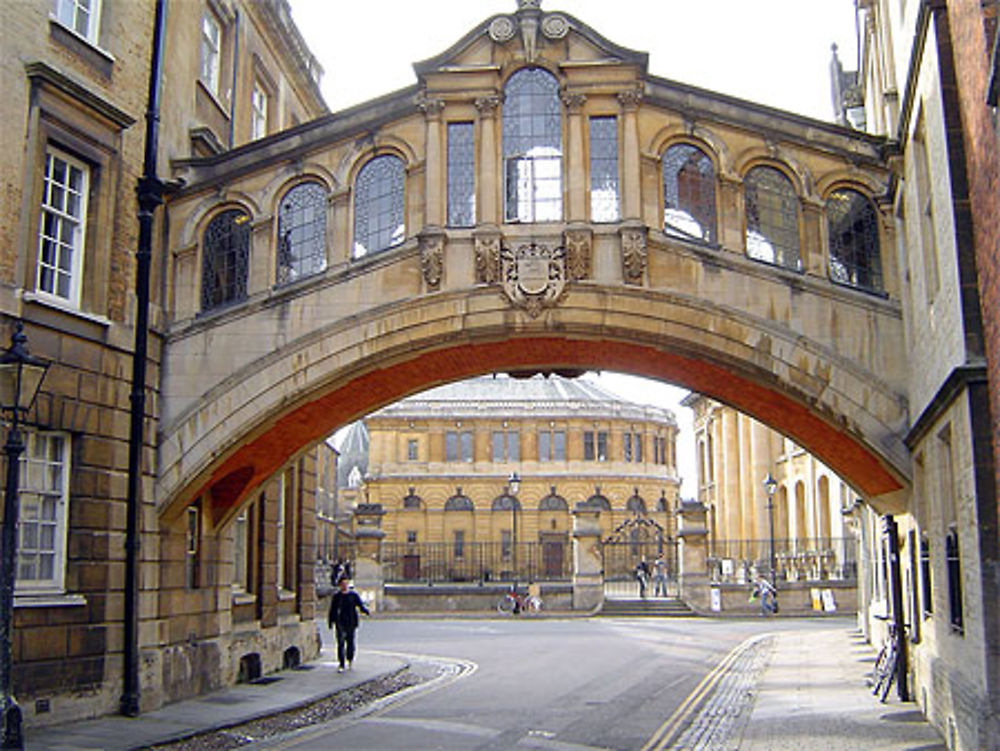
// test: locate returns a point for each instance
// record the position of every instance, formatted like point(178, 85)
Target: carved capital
point(487, 105)
point(574, 102)
point(432, 244)
point(429, 106)
point(579, 253)
point(634, 254)
point(487, 256)
point(630, 100)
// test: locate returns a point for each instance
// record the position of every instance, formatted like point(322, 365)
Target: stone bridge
point(537, 201)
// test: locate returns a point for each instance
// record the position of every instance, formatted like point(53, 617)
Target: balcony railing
point(738, 561)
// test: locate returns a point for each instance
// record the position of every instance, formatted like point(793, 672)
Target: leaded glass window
point(855, 258)
point(461, 175)
point(772, 215)
point(532, 147)
point(689, 193)
point(225, 259)
point(604, 184)
point(378, 206)
point(302, 232)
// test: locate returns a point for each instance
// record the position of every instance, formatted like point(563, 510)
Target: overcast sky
point(776, 52)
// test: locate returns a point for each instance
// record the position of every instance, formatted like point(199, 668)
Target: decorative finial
point(526, 4)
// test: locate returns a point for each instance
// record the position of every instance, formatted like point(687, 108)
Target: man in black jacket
point(344, 607)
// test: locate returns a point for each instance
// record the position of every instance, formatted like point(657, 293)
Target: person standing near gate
point(659, 577)
point(343, 616)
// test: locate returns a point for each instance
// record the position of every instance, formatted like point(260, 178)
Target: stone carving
point(574, 102)
point(502, 29)
point(579, 252)
point(529, 35)
point(555, 26)
point(630, 99)
point(488, 259)
point(430, 107)
point(487, 105)
point(529, 4)
point(432, 258)
point(533, 276)
point(634, 255)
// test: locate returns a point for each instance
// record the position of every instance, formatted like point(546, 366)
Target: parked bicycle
point(514, 603)
point(886, 665)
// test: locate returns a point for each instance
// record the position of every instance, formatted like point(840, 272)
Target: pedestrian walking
point(343, 617)
point(768, 595)
point(642, 576)
point(659, 577)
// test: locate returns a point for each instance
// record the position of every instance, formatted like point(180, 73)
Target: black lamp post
point(20, 377)
point(513, 485)
point(770, 485)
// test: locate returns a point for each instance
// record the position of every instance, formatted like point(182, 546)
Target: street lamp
point(513, 485)
point(770, 485)
point(20, 377)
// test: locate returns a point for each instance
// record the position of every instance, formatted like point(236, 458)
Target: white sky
point(776, 52)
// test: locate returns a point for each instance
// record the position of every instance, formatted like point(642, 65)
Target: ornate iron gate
point(635, 540)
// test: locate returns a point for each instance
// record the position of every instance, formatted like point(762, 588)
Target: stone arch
point(553, 502)
point(696, 135)
point(459, 502)
point(760, 156)
point(276, 190)
point(505, 502)
point(265, 407)
point(207, 209)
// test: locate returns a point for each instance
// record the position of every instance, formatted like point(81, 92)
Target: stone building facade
point(440, 463)
point(734, 455)
point(74, 84)
point(923, 66)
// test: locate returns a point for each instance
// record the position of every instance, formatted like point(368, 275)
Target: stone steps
point(662, 607)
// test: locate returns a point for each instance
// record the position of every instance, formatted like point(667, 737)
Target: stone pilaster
point(487, 198)
point(631, 190)
point(692, 532)
point(434, 176)
point(576, 171)
point(588, 575)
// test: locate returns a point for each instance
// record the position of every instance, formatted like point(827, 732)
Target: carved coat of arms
point(533, 276)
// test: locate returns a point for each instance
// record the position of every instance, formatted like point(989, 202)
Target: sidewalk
point(812, 695)
point(293, 688)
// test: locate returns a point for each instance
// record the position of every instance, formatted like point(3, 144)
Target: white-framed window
point(258, 111)
point(211, 51)
point(62, 226)
point(82, 16)
point(43, 500)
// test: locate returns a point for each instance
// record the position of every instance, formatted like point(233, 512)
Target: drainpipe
point(150, 194)
point(232, 90)
point(899, 621)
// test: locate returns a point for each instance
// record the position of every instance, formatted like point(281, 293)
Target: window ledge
point(285, 595)
point(49, 600)
point(47, 301)
point(242, 597)
point(81, 38)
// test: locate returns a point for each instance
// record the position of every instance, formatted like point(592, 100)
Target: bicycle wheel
point(506, 605)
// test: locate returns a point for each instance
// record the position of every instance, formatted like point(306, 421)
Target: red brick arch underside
point(271, 445)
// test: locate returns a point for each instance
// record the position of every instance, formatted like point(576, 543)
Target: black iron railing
point(432, 562)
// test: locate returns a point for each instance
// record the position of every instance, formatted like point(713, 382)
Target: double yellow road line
point(669, 731)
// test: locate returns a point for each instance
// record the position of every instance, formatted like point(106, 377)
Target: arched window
point(635, 504)
point(225, 259)
point(553, 502)
point(532, 147)
point(411, 500)
point(598, 501)
point(378, 206)
point(459, 502)
point(855, 257)
point(302, 232)
point(688, 193)
point(506, 502)
point(772, 209)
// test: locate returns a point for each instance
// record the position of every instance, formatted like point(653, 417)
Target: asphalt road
point(564, 685)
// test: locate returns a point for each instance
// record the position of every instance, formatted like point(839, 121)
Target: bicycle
point(514, 603)
point(886, 666)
